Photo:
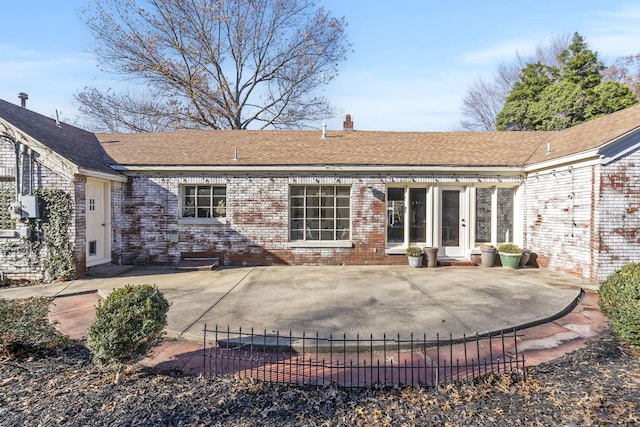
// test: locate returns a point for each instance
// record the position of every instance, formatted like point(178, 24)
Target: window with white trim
point(494, 214)
point(319, 212)
point(204, 201)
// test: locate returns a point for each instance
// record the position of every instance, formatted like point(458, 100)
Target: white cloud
point(503, 51)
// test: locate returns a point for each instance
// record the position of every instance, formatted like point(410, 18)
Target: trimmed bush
point(620, 302)
point(128, 325)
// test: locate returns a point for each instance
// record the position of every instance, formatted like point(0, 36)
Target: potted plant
point(415, 256)
point(510, 255)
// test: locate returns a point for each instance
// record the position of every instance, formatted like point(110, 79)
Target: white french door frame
point(97, 222)
point(461, 250)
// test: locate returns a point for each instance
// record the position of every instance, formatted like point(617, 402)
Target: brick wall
point(560, 218)
point(256, 228)
point(619, 201)
point(18, 261)
point(118, 191)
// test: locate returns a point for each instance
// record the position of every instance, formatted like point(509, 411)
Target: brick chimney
point(347, 124)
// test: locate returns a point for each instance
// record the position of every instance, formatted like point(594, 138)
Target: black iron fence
point(361, 361)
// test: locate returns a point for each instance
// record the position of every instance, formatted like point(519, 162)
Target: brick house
point(335, 197)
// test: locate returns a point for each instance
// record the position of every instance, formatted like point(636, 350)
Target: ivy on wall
point(55, 220)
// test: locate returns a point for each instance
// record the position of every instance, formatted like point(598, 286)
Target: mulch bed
point(597, 385)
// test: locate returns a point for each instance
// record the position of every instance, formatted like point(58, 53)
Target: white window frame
point(517, 215)
point(189, 201)
point(311, 225)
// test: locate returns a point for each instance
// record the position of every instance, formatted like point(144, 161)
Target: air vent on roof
point(23, 99)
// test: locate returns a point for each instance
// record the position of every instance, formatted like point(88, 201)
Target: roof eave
point(226, 169)
point(583, 156)
point(102, 175)
point(619, 146)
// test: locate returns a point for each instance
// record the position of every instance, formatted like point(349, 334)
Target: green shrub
point(414, 251)
point(128, 325)
point(25, 326)
point(509, 248)
point(620, 302)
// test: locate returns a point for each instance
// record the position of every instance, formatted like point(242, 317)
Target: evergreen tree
point(558, 97)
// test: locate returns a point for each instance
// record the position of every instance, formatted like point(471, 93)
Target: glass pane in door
point(418, 202)
point(395, 215)
point(505, 214)
point(450, 218)
point(483, 215)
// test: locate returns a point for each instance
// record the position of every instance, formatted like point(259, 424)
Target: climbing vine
point(53, 229)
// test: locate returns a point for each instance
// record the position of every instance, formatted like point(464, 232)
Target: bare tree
point(485, 99)
point(214, 64)
point(625, 70)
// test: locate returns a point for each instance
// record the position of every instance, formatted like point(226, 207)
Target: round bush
point(128, 324)
point(620, 302)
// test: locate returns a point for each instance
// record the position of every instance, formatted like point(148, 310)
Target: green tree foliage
point(620, 302)
point(557, 97)
point(128, 325)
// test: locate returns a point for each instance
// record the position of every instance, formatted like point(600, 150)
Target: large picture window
point(204, 201)
point(320, 212)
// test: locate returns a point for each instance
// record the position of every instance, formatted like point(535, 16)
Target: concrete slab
point(345, 300)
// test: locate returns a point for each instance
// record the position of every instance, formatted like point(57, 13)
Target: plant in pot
point(414, 254)
point(509, 255)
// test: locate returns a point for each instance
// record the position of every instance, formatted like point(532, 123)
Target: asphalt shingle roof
point(77, 145)
point(299, 148)
point(291, 148)
point(589, 135)
point(363, 148)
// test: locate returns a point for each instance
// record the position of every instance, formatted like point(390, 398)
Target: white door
point(453, 222)
point(97, 222)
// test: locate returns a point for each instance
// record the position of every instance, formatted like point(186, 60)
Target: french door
point(453, 222)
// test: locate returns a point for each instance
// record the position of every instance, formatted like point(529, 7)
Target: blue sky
point(410, 68)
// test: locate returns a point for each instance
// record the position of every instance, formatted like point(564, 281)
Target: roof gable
point(78, 146)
